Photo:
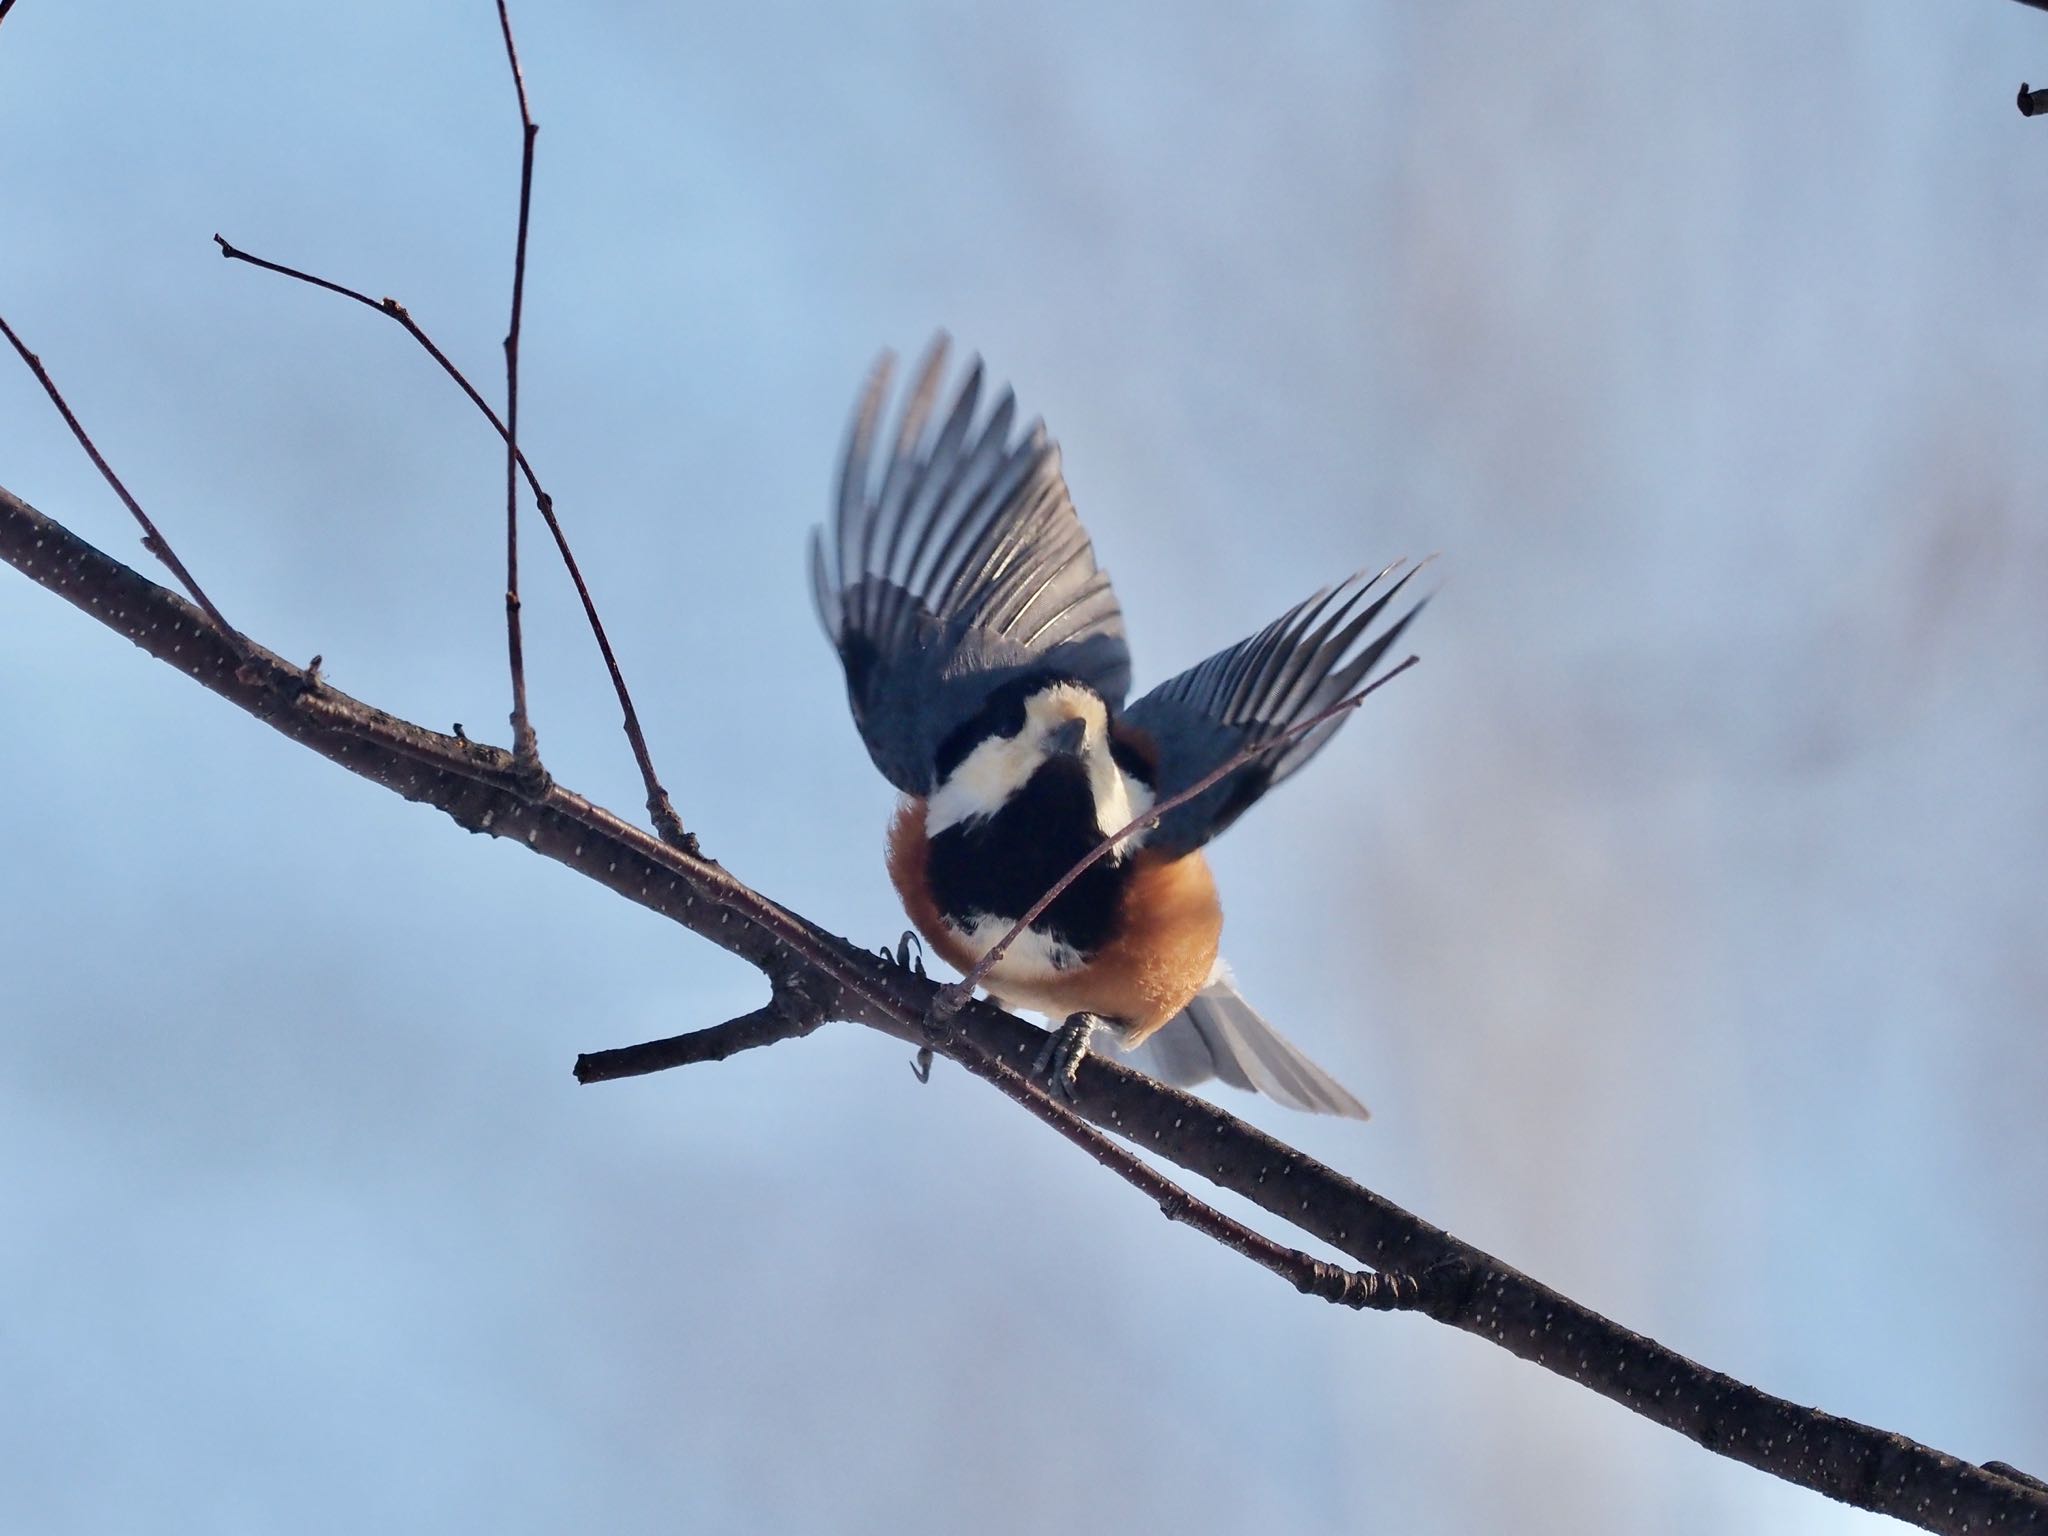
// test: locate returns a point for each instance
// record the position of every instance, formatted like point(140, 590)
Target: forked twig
point(659, 806)
point(954, 994)
point(525, 747)
point(152, 540)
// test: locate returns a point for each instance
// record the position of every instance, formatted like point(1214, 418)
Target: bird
point(987, 672)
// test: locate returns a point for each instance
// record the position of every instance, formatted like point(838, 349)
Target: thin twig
point(525, 747)
point(152, 540)
point(659, 806)
point(953, 995)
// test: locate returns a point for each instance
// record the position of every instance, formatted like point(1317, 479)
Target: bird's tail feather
point(1220, 1035)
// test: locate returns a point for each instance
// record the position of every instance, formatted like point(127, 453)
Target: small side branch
point(525, 746)
point(152, 540)
point(784, 1017)
point(2033, 103)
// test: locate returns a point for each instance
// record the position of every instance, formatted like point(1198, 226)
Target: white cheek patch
point(985, 779)
point(1119, 800)
point(1033, 957)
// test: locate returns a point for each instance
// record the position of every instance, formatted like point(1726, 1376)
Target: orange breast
point(1160, 957)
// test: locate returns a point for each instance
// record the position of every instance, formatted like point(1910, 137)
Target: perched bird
point(986, 666)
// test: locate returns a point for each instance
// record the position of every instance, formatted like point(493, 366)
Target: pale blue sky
point(1681, 917)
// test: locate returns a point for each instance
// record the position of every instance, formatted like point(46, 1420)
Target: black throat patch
point(999, 865)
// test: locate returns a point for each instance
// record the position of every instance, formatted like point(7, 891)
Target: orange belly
point(1159, 957)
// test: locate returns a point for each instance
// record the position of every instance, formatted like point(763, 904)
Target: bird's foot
point(908, 953)
point(1059, 1062)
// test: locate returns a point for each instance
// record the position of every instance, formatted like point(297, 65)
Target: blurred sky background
point(1681, 917)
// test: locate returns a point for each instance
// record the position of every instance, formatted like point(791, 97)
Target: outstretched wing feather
point(1318, 652)
point(955, 565)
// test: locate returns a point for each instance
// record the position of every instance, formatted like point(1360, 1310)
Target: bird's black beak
point(1064, 739)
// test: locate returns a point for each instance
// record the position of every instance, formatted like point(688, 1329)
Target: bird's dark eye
point(1005, 715)
point(1001, 716)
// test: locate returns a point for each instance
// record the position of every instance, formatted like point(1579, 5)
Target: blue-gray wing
point(953, 563)
point(1314, 654)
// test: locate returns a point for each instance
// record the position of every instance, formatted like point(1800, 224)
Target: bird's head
point(1049, 734)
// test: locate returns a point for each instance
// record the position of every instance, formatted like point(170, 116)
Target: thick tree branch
point(480, 788)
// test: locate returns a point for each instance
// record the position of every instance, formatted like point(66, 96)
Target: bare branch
point(659, 807)
point(525, 747)
point(781, 1018)
point(2033, 103)
point(475, 785)
point(951, 997)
